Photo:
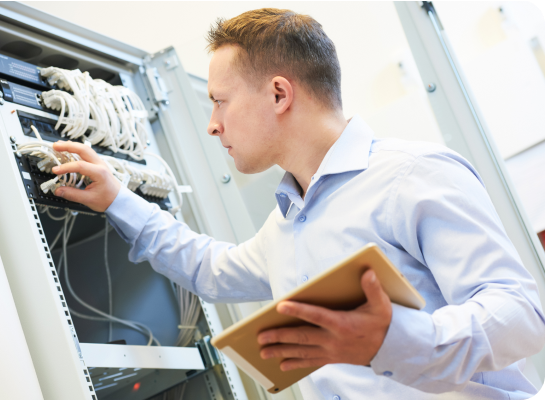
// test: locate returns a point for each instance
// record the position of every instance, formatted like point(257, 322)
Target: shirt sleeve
point(441, 214)
point(216, 271)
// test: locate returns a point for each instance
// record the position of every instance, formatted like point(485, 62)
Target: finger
point(298, 335)
point(85, 152)
point(295, 363)
point(291, 351)
point(93, 171)
point(74, 194)
point(314, 314)
point(376, 297)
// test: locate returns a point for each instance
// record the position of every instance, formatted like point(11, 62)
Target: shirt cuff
point(128, 214)
point(407, 347)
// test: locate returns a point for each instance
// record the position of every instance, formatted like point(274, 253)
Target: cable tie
point(187, 327)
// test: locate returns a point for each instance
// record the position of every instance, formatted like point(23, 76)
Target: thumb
point(73, 194)
point(373, 289)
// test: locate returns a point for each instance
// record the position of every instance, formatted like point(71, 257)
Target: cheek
point(246, 118)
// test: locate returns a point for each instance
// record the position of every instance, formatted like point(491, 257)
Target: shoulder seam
point(409, 165)
point(415, 156)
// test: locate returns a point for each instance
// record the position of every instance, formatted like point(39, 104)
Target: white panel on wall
point(527, 170)
point(500, 45)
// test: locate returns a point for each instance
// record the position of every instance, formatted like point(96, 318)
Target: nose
point(215, 128)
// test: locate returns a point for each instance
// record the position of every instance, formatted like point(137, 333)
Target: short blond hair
point(282, 42)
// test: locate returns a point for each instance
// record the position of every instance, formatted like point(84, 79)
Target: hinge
point(159, 91)
point(427, 5)
point(209, 354)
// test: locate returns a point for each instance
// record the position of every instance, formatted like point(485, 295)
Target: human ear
point(283, 94)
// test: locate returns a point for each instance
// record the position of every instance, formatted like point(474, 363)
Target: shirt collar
point(349, 153)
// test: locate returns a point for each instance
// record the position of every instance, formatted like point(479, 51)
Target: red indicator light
point(136, 386)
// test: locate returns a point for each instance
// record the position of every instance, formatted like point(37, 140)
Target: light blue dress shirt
point(427, 209)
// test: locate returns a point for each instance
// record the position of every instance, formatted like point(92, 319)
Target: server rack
point(68, 354)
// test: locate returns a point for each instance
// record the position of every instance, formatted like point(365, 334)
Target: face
point(243, 117)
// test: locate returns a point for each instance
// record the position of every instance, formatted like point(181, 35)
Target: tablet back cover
point(338, 288)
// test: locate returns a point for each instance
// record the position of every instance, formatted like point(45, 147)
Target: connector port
point(46, 127)
point(33, 178)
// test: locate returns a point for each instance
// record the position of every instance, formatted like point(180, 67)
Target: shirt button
point(336, 397)
point(302, 218)
point(304, 278)
point(387, 373)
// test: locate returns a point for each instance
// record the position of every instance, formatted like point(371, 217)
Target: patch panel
point(33, 178)
point(46, 126)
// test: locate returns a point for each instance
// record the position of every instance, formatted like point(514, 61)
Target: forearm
point(445, 220)
point(441, 352)
point(216, 271)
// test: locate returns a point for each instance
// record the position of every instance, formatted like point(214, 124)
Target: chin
point(250, 167)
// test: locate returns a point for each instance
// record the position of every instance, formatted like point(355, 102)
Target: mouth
point(227, 147)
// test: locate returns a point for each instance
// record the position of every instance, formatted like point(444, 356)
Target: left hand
point(347, 337)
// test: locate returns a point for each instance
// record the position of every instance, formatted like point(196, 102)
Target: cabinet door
point(195, 156)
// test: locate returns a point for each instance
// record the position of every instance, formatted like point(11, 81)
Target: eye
point(218, 102)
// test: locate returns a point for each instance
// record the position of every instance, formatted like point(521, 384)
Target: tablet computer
point(338, 288)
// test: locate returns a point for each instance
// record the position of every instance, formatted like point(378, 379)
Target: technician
point(275, 82)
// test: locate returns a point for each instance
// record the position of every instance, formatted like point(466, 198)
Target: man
point(275, 82)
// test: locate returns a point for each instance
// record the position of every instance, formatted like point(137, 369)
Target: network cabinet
point(55, 252)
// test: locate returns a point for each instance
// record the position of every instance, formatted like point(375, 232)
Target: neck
point(308, 139)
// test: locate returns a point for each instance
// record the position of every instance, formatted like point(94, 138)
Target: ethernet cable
point(45, 151)
point(117, 114)
point(50, 157)
point(189, 315)
point(189, 308)
point(80, 242)
point(176, 188)
point(105, 316)
point(150, 182)
point(46, 209)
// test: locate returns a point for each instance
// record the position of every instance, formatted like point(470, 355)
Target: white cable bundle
point(121, 169)
point(157, 185)
point(50, 158)
point(150, 182)
point(189, 315)
point(114, 115)
point(106, 317)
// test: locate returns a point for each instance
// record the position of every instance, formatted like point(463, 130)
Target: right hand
point(104, 187)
